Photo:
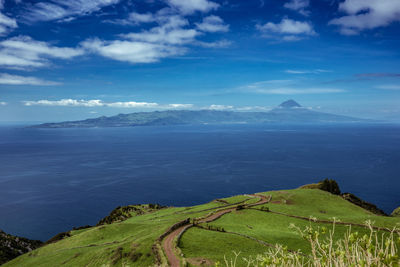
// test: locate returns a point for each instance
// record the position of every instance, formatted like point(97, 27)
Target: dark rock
point(14, 246)
point(363, 204)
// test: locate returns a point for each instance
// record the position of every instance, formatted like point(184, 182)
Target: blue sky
point(65, 60)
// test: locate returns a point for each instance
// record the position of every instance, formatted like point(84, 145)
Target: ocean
point(54, 179)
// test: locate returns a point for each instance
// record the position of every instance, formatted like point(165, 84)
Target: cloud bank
point(64, 10)
point(100, 103)
point(187, 7)
point(298, 6)
point(285, 87)
point(24, 52)
point(7, 24)
point(366, 15)
point(24, 80)
point(287, 30)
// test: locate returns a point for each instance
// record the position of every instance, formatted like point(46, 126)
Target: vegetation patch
point(81, 227)
point(396, 212)
point(135, 241)
point(120, 214)
point(116, 255)
point(353, 249)
point(58, 237)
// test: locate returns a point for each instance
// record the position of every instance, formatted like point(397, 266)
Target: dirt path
point(168, 243)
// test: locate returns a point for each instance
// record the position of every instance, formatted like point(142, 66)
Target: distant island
point(287, 112)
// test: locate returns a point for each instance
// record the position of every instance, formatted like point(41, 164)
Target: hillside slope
point(242, 223)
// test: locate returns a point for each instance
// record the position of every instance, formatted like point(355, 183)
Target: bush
point(330, 185)
point(240, 207)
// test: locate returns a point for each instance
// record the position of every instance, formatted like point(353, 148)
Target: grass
point(199, 243)
point(129, 242)
point(271, 228)
point(324, 206)
point(352, 249)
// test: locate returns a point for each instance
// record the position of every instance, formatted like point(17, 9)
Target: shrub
point(330, 185)
point(240, 207)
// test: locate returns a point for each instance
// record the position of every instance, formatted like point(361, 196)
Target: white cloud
point(212, 24)
point(316, 71)
point(171, 35)
point(141, 18)
point(6, 23)
point(178, 106)
point(135, 18)
point(99, 103)
point(131, 51)
point(2, 103)
point(23, 52)
point(190, 6)
point(285, 87)
point(171, 32)
point(287, 30)
point(389, 87)
point(297, 91)
point(366, 14)
point(64, 9)
point(288, 26)
point(253, 108)
point(131, 104)
point(217, 44)
point(23, 80)
point(220, 107)
point(268, 83)
point(65, 102)
point(299, 6)
point(167, 39)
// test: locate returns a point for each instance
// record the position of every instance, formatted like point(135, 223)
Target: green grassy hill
point(133, 236)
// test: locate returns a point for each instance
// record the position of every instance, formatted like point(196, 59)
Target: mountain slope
point(134, 240)
point(288, 112)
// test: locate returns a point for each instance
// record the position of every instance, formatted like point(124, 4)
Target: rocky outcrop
point(14, 246)
point(363, 204)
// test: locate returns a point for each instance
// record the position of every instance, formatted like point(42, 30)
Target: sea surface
point(54, 179)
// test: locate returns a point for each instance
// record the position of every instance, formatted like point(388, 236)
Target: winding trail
point(168, 243)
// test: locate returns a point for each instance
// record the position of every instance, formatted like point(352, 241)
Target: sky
point(76, 59)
